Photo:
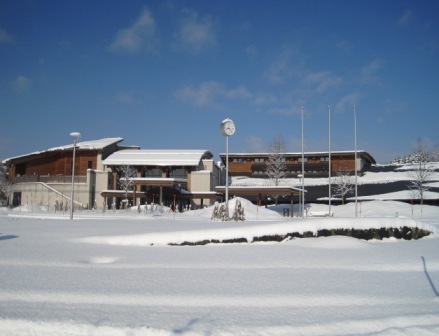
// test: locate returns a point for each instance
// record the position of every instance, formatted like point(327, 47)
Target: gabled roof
point(83, 145)
point(158, 157)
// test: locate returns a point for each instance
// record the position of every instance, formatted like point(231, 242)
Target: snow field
point(93, 276)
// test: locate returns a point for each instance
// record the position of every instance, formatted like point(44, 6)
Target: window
point(90, 164)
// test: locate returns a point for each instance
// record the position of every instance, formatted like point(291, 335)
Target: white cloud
point(136, 37)
point(21, 83)
point(286, 111)
point(208, 92)
point(405, 18)
point(344, 46)
point(323, 81)
point(239, 92)
point(279, 69)
point(347, 102)
point(251, 51)
point(195, 32)
point(265, 99)
point(288, 64)
point(126, 97)
point(369, 71)
point(255, 144)
point(5, 37)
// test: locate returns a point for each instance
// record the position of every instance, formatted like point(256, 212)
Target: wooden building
point(45, 177)
point(316, 164)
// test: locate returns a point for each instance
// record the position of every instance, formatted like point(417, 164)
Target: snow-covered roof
point(294, 153)
point(158, 157)
point(83, 145)
point(361, 153)
point(91, 145)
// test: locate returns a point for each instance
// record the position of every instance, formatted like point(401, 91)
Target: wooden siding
point(246, 165)
point(57, 164)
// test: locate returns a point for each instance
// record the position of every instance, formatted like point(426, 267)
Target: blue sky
point(164, 74)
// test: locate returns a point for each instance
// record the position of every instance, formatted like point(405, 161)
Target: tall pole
point(227, 177)
point(75, 136)
point(329, 154)
point(303, 170)
point(356, 169)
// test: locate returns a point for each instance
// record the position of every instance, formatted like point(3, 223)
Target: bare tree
point(344, 184)
point(277, 167)
point(6, 187)
point(126, 182)
point(422, 170)
point(435, 154)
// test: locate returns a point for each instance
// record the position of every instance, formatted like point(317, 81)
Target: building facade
point(45, 178)
point(183, 178)
point(186, 178)
point(316, 164)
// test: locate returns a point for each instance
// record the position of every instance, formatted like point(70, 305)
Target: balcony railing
point(49, 179)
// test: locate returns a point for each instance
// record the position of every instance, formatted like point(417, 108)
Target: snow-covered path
point(54, 283)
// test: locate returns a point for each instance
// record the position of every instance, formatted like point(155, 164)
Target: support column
point(292, 206)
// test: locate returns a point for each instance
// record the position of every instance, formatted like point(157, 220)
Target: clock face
point(228, 127)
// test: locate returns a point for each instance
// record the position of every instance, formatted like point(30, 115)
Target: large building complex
point(185, 178)
point(45, 178)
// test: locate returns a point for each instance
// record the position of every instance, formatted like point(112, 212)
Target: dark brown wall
point(338, 163)
point(57, 164)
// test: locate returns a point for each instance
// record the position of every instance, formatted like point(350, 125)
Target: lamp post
point(75, 136)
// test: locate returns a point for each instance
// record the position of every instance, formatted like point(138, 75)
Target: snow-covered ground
point(114, 274)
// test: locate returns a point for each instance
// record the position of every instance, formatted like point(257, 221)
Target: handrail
point(49, 179)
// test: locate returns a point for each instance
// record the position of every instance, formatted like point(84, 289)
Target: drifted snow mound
point(251, 211)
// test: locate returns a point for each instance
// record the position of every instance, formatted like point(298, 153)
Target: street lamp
point(75, 136)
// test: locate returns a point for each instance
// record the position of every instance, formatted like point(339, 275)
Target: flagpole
point(356, 170)
point(303, 170)
point(329, 154)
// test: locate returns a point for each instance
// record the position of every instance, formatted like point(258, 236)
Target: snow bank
point(248, 233)
point(280, 226)
point(251, 211)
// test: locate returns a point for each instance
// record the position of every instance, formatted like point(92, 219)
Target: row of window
point(259, 160)
point(293, 172)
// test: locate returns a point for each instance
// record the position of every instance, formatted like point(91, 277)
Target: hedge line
point(406, 233)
